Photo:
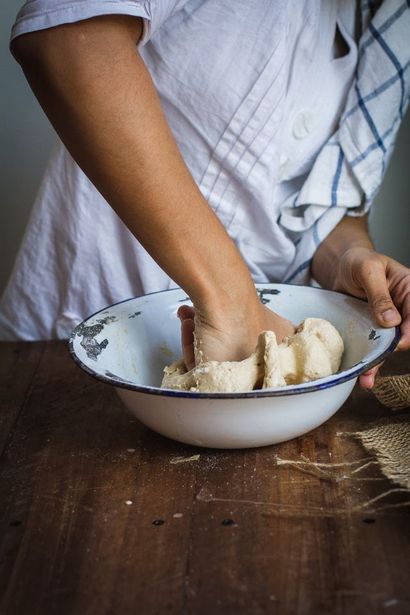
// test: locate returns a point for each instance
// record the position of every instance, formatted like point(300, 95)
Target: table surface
point(100, 515)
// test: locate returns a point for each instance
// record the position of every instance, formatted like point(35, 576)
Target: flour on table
point(313, 351)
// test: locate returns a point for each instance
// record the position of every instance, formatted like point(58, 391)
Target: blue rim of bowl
point(273, 392)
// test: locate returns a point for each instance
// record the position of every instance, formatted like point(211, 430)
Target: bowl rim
point(299, 389)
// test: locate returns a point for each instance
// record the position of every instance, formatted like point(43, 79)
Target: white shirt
point(253, 93)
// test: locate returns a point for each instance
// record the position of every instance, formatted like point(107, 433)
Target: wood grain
point(18, 365)
point(101, 515)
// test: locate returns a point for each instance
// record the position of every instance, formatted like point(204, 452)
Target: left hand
point(385, 284)
point(220, 338)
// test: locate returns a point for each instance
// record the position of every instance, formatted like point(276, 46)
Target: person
point(209, 145)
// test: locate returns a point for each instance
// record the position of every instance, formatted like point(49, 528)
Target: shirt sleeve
point(40, 14)
point(349, 169)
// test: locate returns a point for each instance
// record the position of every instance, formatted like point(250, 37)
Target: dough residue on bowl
point(314, 351)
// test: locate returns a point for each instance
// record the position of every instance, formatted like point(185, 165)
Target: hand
point(221, 338)
point(385, 284)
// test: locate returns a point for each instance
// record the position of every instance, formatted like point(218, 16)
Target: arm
point(97, 93)
point(347, 262)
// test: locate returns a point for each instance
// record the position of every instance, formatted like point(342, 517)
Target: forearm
point(97, 93)
point(349, 233)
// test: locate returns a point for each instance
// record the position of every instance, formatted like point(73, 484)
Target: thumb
point(380, 301)
point(186, 316)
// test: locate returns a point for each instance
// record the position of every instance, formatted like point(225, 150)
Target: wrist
point(347, 264)
point(351, 234)
point(228, 300)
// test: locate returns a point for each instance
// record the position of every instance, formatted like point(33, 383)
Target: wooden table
point(100, 515)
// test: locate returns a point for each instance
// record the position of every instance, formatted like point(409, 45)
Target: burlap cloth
point(389, 438)
point(393, 391)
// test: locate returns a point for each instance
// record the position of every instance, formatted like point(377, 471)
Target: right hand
point(217, 337)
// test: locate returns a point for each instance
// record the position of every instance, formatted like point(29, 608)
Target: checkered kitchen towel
point(350, 167)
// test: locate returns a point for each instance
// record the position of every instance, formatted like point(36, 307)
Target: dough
point(314, 351)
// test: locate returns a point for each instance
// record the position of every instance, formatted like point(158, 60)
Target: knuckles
point(381, 302)
point(372, 264)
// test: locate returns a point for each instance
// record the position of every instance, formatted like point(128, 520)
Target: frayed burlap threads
point(389, 439)
point(393, 391)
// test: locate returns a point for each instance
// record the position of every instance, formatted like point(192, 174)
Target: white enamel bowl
point(129, 343)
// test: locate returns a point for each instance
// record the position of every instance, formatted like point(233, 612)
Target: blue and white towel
point(349, 170)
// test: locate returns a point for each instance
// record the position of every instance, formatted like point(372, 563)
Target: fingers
point(186, 315)
point(367, 379)
point(187, 342)
point(186, 311)
point(404, 343)
point(374, 282)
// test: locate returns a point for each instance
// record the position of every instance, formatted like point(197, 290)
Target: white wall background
point(26, 139)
